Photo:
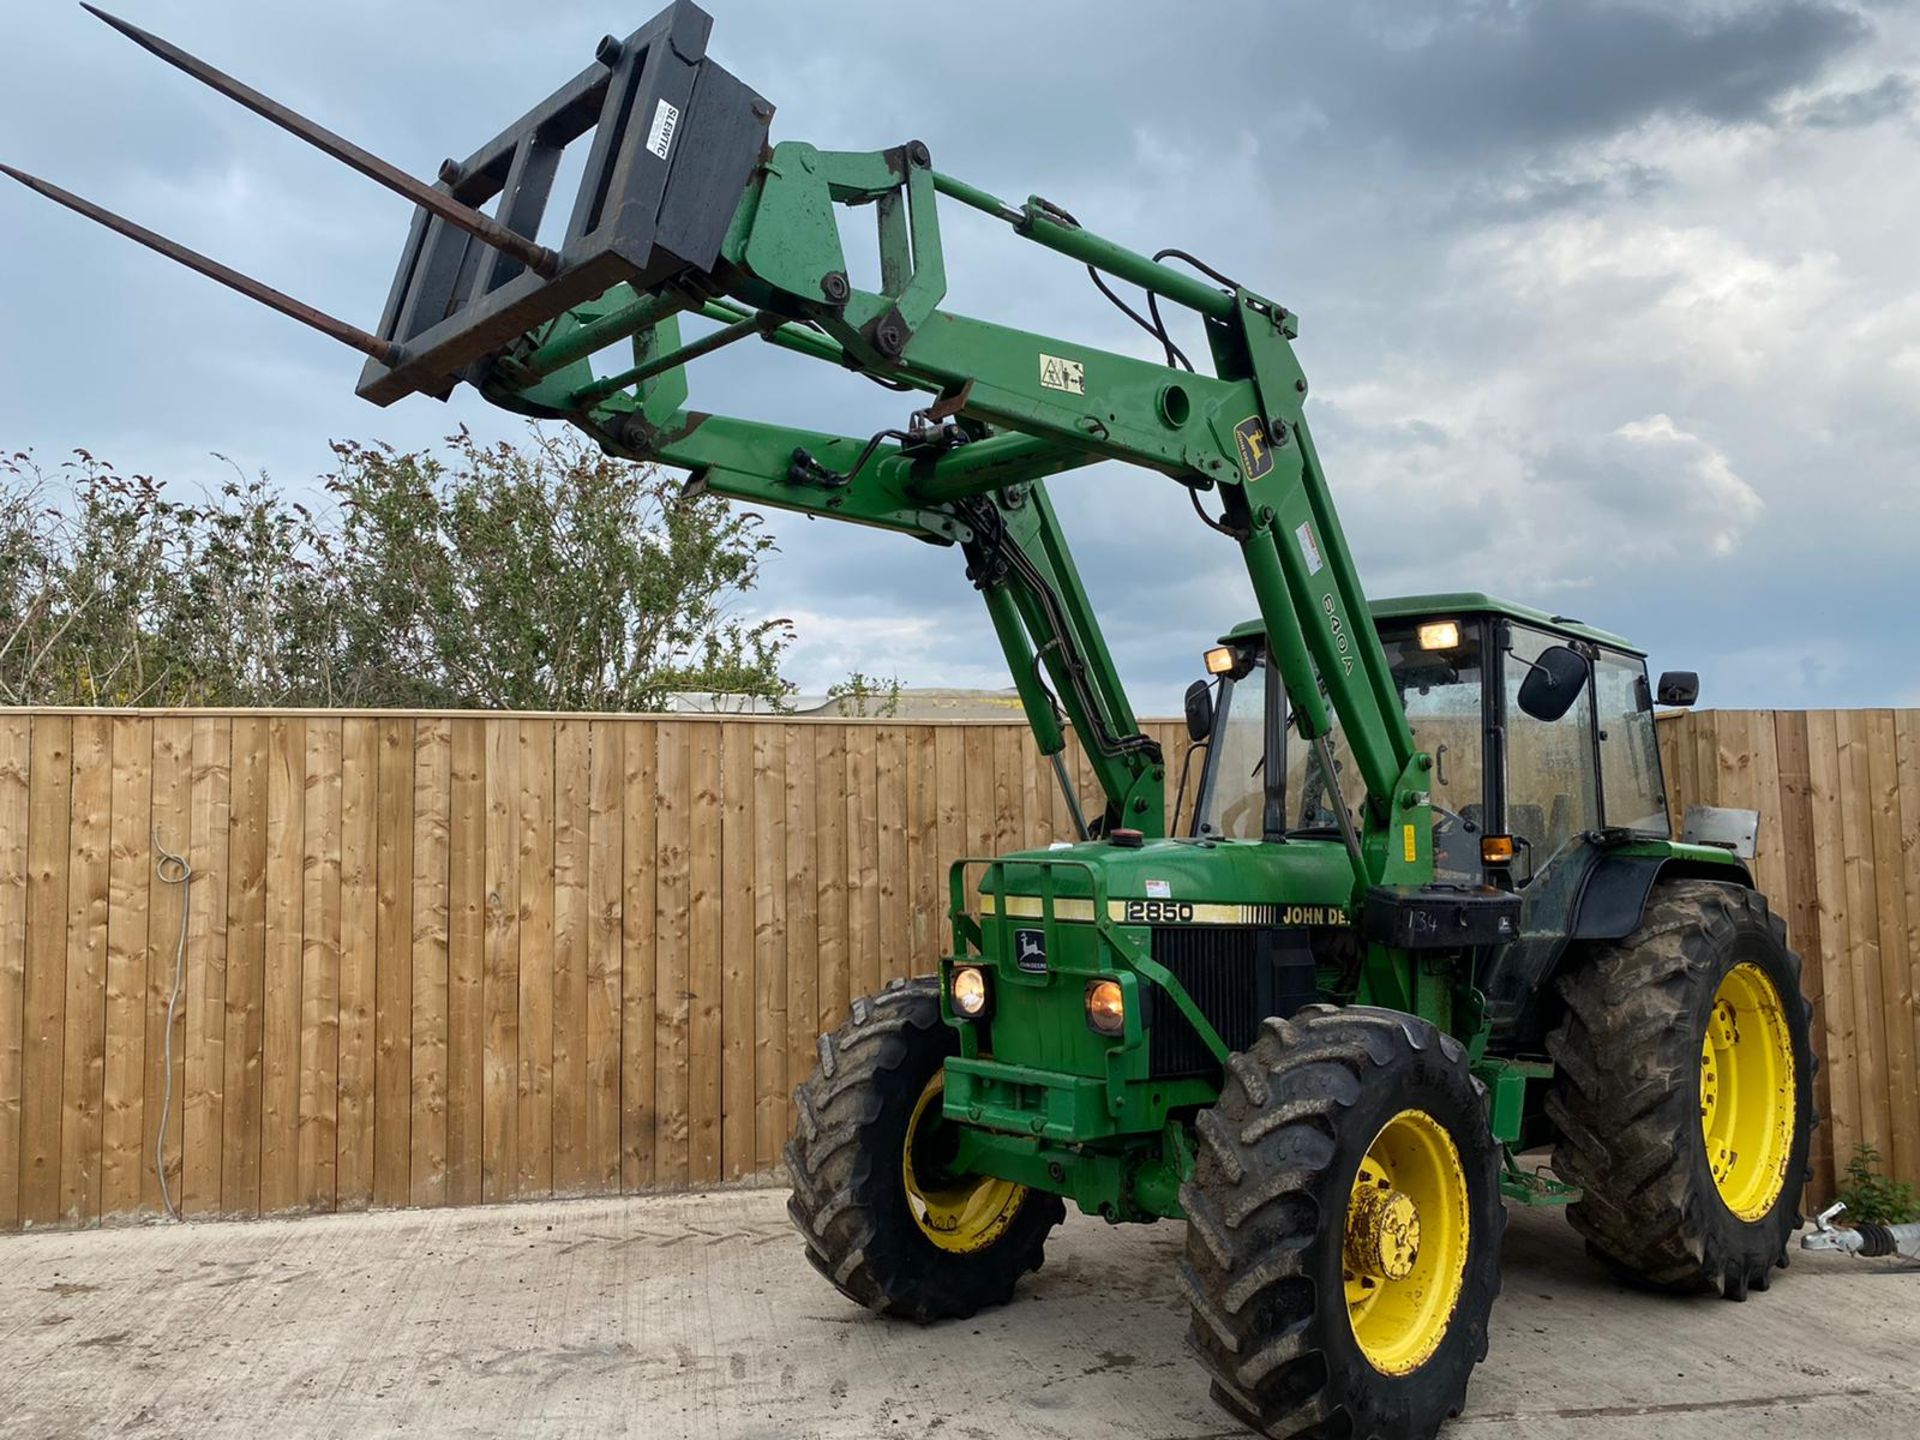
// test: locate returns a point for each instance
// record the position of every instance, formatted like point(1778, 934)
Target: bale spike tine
point(464, 217)
point(383, 351)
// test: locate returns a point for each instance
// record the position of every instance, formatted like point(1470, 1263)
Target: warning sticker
point(1256, 453)
point(1309, 551)
point(1067, 375)
point(666, 119)
point(1159, 889)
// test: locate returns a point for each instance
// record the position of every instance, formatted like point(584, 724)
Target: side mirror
point(1200, 711)
point(1679, 687)
point(1553, 682)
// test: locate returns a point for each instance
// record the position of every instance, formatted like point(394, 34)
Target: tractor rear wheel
point(884, 1217)
point(1684, 1094)
point(1343, 1227)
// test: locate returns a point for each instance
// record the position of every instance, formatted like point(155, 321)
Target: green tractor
point(1328, 1078)
point(1421, 911)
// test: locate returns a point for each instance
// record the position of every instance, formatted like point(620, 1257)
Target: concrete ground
point(697, 1316)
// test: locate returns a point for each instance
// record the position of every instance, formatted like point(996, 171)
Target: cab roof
point(1464, 603)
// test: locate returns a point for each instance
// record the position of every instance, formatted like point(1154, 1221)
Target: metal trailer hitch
point(1863, 1239)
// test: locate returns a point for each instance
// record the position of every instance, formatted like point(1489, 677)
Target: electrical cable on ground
point(173, 870)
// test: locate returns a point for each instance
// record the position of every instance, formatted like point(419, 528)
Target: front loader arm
point(1009, 409)
point(685, 211)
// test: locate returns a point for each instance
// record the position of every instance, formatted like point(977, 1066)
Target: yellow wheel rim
point(1747, 1108)
point(1405, 1254)
point(961, 1215)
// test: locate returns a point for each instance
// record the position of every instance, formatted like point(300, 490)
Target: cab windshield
point(1443, 693)
point(1233, 784)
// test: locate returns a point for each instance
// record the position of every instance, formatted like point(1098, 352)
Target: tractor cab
point(1540, 729)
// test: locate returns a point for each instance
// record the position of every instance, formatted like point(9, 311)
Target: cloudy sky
point(1612, 306)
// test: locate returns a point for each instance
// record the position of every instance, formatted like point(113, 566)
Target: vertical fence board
point(431, 936)
point(673, 802)
point(246, 969)
point(639, 922)
point(830, 872)
point(393, 968)
point(1869, 1024)
point(572, 776)
point(1905, 1009)
point(500, 1099)
point(769, 945)
point(600, 1074)
point(319, 1043)
point(738, 1108)
point(1798, 903)
point(129, 863)
point(950, 831)
point(534, 1144)
point(803, 904)
point(891, 878)
point(977, 770)
point(164, 1085)
point(84, 1047)
point(209, 979)
point(16, 745)
point(286, 893)
point(358, 1061)
point(1009, 791)
point(924, 905)
point(1036, 799)
point(1835, 920)
point(863, 861)
point(466, 957)
point(49, 822)
point(1770, 799)
point(704, 977)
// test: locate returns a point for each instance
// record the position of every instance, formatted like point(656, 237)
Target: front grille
point(1237, 976)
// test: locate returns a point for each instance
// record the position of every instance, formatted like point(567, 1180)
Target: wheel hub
point(1747, 1094)
point(958, 1213)
point(1405, 1244)
point(1383, 1232)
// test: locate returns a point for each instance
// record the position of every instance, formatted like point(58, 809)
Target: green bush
point(539, 576)
point(1872, 1198)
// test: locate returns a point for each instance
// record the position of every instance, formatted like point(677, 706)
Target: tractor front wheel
point(1684, 1094)
point(884, 1215)
point(1343, 1227)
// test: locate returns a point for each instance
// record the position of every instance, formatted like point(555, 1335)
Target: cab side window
point(1551, 794)
point(1629, 751)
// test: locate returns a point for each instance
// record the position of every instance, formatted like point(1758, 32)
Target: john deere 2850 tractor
point(1420, 911)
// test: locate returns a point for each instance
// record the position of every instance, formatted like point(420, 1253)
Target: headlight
point(968, 991)
point(1221, 660)
point(1106, 1007)
point(1440, 635)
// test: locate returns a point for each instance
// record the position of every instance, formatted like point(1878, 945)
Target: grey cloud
point(1892, 97)
point(1531, 191)
point(1519, 75)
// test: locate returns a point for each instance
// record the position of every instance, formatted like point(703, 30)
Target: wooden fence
point(445, 959)
point(438, 959)
point(1838, 793)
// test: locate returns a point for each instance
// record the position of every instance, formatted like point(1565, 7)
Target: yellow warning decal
point(1410, 842)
